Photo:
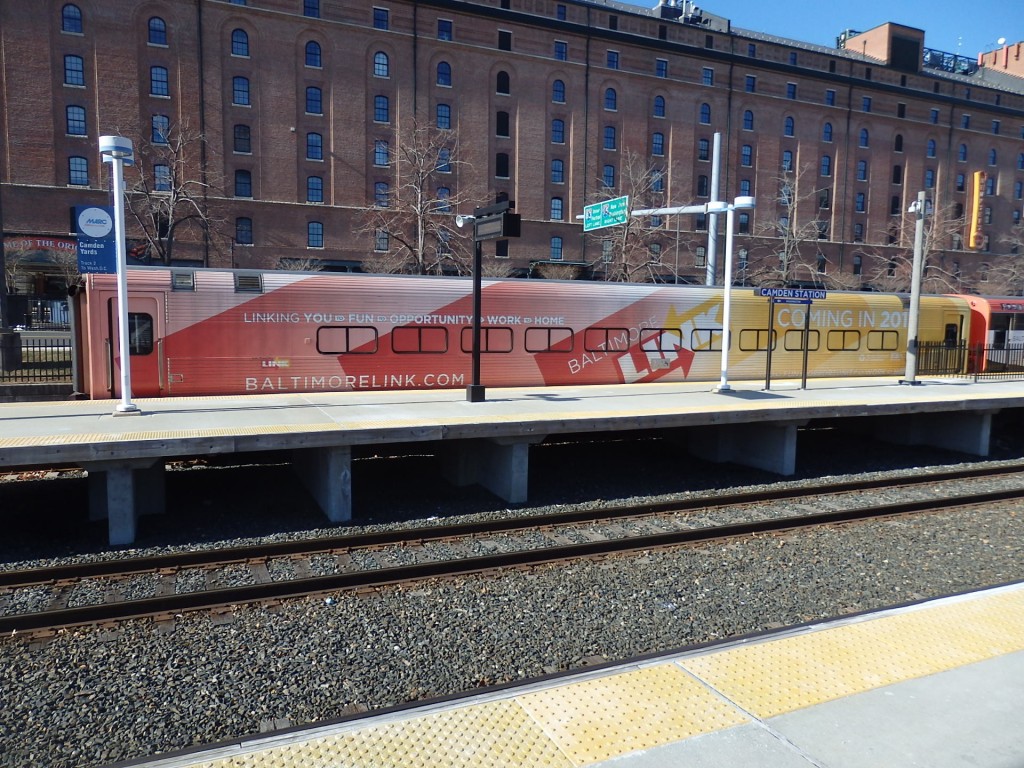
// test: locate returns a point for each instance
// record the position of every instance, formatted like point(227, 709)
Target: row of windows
point(431, 339)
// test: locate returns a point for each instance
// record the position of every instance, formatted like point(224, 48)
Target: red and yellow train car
point(209, 332)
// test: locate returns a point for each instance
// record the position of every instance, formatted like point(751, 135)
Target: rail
point(995, 362)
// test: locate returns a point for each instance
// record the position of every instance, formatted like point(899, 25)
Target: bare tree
point(893, 269)
point(635, 245)
point(1006, 276)
point(167, 191)
point(784, 240)
point(412, 215)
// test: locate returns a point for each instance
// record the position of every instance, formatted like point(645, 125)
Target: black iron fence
point(989, 363)
point(29, 360)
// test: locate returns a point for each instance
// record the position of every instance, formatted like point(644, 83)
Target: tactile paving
point(769, 679)
point(497, 734)
point(610, 716)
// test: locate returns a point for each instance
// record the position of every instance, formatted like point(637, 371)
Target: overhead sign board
point(791, 294)
point(607, 213)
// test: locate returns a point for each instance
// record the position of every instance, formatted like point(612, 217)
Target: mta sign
point(607, 213)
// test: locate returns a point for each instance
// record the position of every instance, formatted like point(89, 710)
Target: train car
point(996, 336)
point(210, 332)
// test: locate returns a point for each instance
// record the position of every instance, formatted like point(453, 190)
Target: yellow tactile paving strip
point(604, 717)
point(785, 675)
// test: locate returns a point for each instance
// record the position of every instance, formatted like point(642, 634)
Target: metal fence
point(37, 360)
point(989, 363)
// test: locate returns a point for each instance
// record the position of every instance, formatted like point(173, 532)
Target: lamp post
point(918, 208)
point(117, 150)
point(740, 203)
point(475, 390)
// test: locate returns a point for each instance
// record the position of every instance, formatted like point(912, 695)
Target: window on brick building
point(503, 84)
point(826, 165)
point(557, 131)
point(504, 40)
point(159, 127)
point(561, 50)
point(158, 83)
point(501, 165)
point(790, 90)
point(161, 178)
point(659, 106)
point(931, 147)
point(661, 67)
point(444, 29)
point(311, 8)
point(243, 230)
point(862, 170)
point(556, 249)
point(826, 132)
point(314, 146)
point(610, 137)
point(381, 240)
point(242, 139)
point(830, 98)
point(75, 120)
point(444, 116)
point(611, 100)
point(657, 144)
point(860, 201)
point(556, 209)
point(314, 189)
point(707, 76)
point(315, 100)
point(557, 171)
point(558, 92)
point(315, 234)
point(705, 114)
point(864, 144)
point(240, 91)
point(787, 160)
point(789, 127)
point(78, 171)
point(612, 60)
point(750, 84)
point(444, 74)
point(314, 57)
point(74, 70)
point(381, 153)
point(961, 154)
point(746, 155)
point(748, 120)
point(243, 183)
point(502, 125)
point(157, 31)
point(71, 19)
point(381, 65)
point(608, 176)
point(380, 18)
point(703, 149)
point(239, 43)
point(992, 157)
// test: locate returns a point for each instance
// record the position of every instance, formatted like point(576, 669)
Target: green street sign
point(607, 213)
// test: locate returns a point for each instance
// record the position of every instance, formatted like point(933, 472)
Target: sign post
point(805, 296)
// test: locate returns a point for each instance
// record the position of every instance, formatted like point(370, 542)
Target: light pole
point(117, 150)
point(740, 203)
point(918, 209)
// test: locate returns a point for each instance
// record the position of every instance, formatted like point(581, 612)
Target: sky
point(967, 27)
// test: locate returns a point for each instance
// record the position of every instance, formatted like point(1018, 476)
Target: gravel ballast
point(93, 696)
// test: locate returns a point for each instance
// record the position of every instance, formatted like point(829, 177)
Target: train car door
point(145, 344)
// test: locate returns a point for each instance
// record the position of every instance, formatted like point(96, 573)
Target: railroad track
point(45, 600)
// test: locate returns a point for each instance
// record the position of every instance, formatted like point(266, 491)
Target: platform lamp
point(117, 151)
point(743, 202)
point(919, 209)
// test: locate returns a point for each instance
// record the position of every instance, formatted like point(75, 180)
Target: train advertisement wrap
point(219, 332)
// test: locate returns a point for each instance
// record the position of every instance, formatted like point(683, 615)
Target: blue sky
point(966, 27)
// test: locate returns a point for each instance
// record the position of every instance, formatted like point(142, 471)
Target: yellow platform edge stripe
point(609, 715)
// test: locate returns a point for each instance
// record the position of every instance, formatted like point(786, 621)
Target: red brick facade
point(908, 125)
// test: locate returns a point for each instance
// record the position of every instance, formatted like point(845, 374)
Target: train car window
point(419, 338)
point(183, 281)
point(346, 340)
point(140, 333)
point(706, 340)
point(548, 340)
point(843, 341)
point(492, 339)
point(952, 334)
point(793, 341)
point(883, 341)
point(249, 283)
point(660, 339)
point(756, 339)
point(604, 339)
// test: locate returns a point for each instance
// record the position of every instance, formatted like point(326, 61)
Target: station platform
point(939, 684)
point(485, 443)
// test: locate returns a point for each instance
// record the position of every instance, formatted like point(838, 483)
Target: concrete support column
point(963, 431)
point(768, 446)
point(120, 491)
point(327, 474)
point(501, 465)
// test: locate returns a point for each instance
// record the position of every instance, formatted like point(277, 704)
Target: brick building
point(305, 104)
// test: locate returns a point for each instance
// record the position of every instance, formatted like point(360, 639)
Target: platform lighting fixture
point(920, 209)
point(744, 202)
point(117, 150)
